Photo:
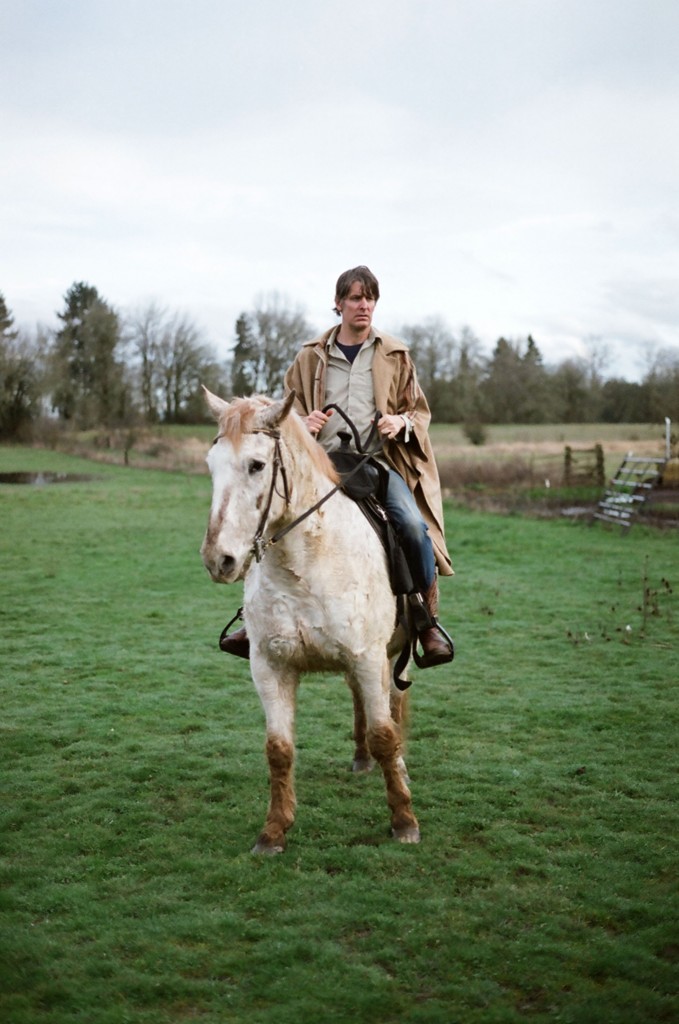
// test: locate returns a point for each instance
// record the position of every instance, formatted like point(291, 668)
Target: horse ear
point(274, 414)
point(216, 405)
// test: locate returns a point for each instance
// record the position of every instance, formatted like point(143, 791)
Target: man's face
point(356, 309)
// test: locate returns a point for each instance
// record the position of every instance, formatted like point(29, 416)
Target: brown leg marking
point(385, 747)
point(281, 815)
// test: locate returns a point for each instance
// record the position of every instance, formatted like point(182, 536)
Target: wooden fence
point(584, 466)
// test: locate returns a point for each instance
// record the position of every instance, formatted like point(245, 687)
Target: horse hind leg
point(399, 705)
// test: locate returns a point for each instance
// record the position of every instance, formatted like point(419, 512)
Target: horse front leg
point(278, 699)
point(385, 744)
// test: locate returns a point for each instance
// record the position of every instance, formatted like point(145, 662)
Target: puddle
point(41, 479)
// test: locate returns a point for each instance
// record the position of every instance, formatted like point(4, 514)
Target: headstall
point(259, 545)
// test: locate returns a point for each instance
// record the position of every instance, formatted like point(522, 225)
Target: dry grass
point(520, 466)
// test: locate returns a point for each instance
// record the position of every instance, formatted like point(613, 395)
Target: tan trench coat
point(396, 391)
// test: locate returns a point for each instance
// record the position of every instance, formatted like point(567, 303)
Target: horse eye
point(255, 467)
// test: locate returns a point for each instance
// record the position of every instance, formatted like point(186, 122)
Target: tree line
point(103, 368)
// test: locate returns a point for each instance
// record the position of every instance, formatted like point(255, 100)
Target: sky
point(507, 165)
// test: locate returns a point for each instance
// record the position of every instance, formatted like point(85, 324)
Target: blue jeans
point(401, 507)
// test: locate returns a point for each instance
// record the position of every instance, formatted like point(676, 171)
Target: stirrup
point(242, 645)
point(422, 621)
point(425, 660)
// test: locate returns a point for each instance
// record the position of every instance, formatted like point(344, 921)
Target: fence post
point(600, 471)
point(567, 464)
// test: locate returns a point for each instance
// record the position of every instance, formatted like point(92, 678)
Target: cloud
point(508, 166)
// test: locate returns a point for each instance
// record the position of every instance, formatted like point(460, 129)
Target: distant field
point(185, 447)
point(554, 433)
point(444, 434)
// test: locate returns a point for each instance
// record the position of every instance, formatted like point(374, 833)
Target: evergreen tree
point(515, 387)
point(502, 385)
point(89, 377)
point(245, 365)
point(570, 393)
point(7, 332)
point(534, 406)
point(267, 340)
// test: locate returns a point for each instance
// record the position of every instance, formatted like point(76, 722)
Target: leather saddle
point(364, 480)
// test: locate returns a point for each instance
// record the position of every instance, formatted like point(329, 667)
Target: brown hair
point(364, 276)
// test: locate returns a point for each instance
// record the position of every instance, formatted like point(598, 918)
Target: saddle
point(364, 480)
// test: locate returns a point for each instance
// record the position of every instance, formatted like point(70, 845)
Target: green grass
point(543, 764)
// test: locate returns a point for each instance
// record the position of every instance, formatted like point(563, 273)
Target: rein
point(258, 545)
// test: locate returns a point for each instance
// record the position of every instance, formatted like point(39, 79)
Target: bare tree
point(145, 330)
point(171, 361)
point(267, 340)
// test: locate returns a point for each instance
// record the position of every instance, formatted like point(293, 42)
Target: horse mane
point(239, 419)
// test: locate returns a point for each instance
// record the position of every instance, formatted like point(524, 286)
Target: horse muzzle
point(223, 566)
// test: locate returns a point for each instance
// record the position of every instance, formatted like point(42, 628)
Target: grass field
point(543, 764)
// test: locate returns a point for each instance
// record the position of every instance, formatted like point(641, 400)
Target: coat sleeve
point(298, 381)
point(413, 403)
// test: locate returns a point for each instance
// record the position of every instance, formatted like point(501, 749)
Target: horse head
point(250, 488)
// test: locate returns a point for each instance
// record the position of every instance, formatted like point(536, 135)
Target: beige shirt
point(349, 385)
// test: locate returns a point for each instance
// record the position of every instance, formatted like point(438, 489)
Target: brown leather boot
point(437, 646)
point(236, 643)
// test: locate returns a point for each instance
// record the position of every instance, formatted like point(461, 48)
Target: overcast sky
point(511, 165)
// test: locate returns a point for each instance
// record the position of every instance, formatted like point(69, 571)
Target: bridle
point(259, 545)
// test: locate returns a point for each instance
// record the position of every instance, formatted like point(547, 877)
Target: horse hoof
point(267, 849)
point(408, 834)
point(362, 765)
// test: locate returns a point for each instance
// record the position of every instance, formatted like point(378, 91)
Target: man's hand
point(389, 426)
point(316, 420)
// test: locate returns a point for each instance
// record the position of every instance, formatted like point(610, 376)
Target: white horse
point(316, 599)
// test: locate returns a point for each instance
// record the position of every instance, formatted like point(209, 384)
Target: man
point(363, 370)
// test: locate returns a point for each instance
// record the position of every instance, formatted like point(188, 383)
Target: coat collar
point(387, 342)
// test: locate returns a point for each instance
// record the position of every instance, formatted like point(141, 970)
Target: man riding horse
point(362, 370)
